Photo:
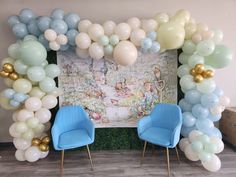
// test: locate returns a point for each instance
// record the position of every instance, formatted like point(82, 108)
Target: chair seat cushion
point(158, 136)
point(74, 139)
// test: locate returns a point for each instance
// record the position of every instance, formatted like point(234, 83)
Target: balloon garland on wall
point(32, 88)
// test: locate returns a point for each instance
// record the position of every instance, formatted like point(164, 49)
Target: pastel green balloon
point(108, 49)
point(183, 70)
point(187, 83)
point(183, 58)
point(28, 135)
point(36, 73)
point(47, 84)
point(13, 50)
point(104, 40)
point(30, 38)
point(32, 53)
point(52, 70)
point(206, 86)
point(205, 48)
point(204, 139)
point(37, 92)
point(197, 146)
point(22, 86)
point(114, 39)
point(195, 59)
point(220, 58)
point(211, 148)
point(39, 129)
point(20, 67)
point(205, 156)
point(32, 122)
point(189, 47)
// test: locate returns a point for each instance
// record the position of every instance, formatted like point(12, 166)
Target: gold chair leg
point(91, 162)
point(62, 161)
point(168, 161)
point(177, 153)
point(144, 149)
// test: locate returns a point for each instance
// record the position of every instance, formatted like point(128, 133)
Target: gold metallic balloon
point(14, 76)
point(46, 140)
point(36, 141)
point(199, 68)
point(7, 67)
point(193, 72)
point(43, 147)
point(4, 74)
point(208, 74)
point(198, 78)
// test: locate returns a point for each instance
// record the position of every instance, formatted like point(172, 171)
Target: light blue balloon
point(57, 14)
point(114, 39)
point(214, 132)
point(72, 20)
point(193, 96)
point(20, 30)
point(71, 35)
point(64, 47)
point(12, 20)
point(185, 106)
point(204, 125)
point(209, 100)
point(152, 35)
point(33, 27)
point(218, 91)
point(188, 119)
point(155, 47)
point(44, 41)
point(199, 111)
point(214, 118)
point(26, 15)
point(146, 43)
point(59, 26)
point(44, 23)
point(14, 103)
point(186, 130)
point(9, 93)
point(20, 97)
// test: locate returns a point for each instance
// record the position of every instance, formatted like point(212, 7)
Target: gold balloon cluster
point(8, 72)
point(199, 73)
point(43, 144)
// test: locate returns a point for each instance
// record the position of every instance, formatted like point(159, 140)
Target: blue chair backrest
point(166, 116)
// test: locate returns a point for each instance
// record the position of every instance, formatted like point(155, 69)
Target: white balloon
point(43, 114)
point(216, 110)
point(224, 101)
point(21, 127)
point(62, 39)
point(24, 114)
point(194, 134)
point(50, 35)
point(149, 25)
point(125, 53)
point(183, 143)
point(28, 135)
point(96, 51)
point(84, 25)
point(190, 153)
point(134, 23)
point(33, 104)
point(21, 143)
point(49, 101)
point(44, 154)
point(32, 122)
point(54, 45)
point(219, 144)
point(123, 30)
point(109, 27)
point(95, 31)
point(32, 154)
point(13, 132)
point(161, 18)
point(213, 165)
point(83, 40)
point(136, 36)
point(82, 53)
point(20, 155)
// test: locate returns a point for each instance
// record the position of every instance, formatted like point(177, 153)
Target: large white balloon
point(49, 102)
point(21, 143)
point(96, 51)
point(137, 36)
point(83, 40)
point(32, 154)
point(125, 53)
point(95, 31)
point(109, 27)
point(190, 153)
point(43, 114)
point(123, 30)
point(213, 165)
point(20, 155)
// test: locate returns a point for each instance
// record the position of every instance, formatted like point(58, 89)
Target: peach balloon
point(33, 104)
point(95, 31)
point(123, 30)
point(109, 27)
point(84, 25)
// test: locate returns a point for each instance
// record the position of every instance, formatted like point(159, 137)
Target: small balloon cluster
point(8, 72)
point(43, 144)
point(199, 73)
point(149, 43)
point(199, 146)
point(31, 95)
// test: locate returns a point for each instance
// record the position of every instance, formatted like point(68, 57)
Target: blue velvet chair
point(72, 128)
point(162, 127)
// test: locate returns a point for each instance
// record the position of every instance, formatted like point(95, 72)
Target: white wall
point(216, 13)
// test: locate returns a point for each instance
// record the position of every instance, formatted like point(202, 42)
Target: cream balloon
point(22, 86)
point(43, 115)
point(161, 18)
point(21, 127)
point(125, 53)
point(134, 23)
point(14, 115)
point(32, 154)
point(50, 35)
point(83, 40)
point(54, 45)
point(33, 104)
point(137, 36)
point(190, 29)
point(84, 25)
point(28, 135)
point(21, 143)
point(32, 122)
point(202, 27)
point(24, 114)
point(82, 53)
point(182, 13)
point(149, 25)
point(171, 35)
point(190, 153)
point(62, 39)
point(123, 30)
point(13, 132)
point(37, 92)
point(109, 27)
point(95, 31)
point(49, 101)
point(20, 155)
point(96, 51)
point(39, 129)
point(56, 92)
point(183, 143)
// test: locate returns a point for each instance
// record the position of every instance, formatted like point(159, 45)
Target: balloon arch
point(32, 90)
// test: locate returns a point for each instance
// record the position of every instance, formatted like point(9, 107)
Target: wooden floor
point(113, 164)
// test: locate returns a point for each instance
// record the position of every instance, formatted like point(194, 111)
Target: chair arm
point(55, 131)
point(89, 126)
point(176, 135)
point(143, 124)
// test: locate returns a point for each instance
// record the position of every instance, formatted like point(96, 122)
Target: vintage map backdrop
point(116, 96)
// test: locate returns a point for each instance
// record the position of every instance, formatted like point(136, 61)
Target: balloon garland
point(33, 90)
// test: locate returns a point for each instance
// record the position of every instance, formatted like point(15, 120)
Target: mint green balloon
point(183, 58)
point(206, 86)
point(204, 139)
point(187, 83)
point(108, 49)
point(189, 47)
point(13, 50)
point(47, 84)
point(20, 67)
point(30, 37)
point(52, 70)
point(195, 59)
point(205, 156)
point(205, 48)
point(104, 40)
point(220, 58)
point(183, 70)
point(211, 148)
point(197, 146)
point(114, 39)
point(36, 73)
point(32, 53)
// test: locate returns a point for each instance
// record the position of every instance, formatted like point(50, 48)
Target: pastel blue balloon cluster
point(27, 22)
point(196, 112)
point(149, 43)
point(16, 98)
